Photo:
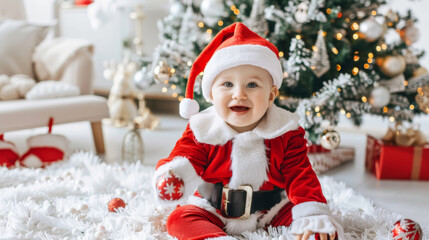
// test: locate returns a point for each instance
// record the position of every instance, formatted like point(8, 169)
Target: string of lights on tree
point(339, 57)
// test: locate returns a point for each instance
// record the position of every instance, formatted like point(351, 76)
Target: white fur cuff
point(181, 167)
point(310, 209)
point(316, 224)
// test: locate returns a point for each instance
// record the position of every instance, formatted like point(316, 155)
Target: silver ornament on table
point(162, 72)
point(380, 97)
point(301, 14)
point(212, 10)
point(330, 139)
point(370, 29)
point(319, 60)
point(256, 21)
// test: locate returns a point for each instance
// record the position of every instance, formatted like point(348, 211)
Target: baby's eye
point(227, 84)
point(252, 85)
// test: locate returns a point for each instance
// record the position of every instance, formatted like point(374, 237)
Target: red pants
point(190, 222)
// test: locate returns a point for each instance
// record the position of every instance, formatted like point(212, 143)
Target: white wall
point(108, 40)
point(419, 9)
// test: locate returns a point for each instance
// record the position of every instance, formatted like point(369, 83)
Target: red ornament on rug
point(406, 229)
point(116, 203)
point(170, 187)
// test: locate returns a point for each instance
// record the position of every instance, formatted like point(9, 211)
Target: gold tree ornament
point(392, 66)
point(422, 98)
point(330, 139)
point(162, 72)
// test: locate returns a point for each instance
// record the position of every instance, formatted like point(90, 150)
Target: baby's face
point(241, 95)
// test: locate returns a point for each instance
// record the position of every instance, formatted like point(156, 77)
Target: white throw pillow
point(18, 40)
point(52, 89)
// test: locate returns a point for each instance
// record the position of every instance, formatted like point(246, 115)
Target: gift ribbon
point(410, 137)
point(417, 162)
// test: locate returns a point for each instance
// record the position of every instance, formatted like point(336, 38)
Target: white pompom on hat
point(233, 46)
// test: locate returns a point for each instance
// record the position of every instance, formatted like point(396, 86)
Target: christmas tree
point(339, 57)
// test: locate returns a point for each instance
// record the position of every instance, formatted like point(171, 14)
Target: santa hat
point(45, 149)
point(8, 153)
point(233, 46)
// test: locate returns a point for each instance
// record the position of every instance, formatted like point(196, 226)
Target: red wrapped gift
point(395, 162)
point(314, 148)
point(83, 2)
point(322, 159)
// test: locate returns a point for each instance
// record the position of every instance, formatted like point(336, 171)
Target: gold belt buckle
point(225, 200)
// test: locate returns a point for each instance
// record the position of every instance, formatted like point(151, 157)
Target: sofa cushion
point(18, 40)
point(52, 89)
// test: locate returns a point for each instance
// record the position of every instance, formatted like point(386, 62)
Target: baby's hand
point(322, 236)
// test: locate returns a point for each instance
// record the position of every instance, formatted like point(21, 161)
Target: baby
point(246, 157)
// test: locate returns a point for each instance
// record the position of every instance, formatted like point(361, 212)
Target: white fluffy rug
point(68, 200)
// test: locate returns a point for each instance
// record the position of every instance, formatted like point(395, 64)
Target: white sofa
point(24, 114)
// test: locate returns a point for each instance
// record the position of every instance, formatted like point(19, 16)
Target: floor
point(409, 198)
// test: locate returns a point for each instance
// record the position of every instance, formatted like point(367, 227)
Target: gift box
point(389, 161)
point(323, 160)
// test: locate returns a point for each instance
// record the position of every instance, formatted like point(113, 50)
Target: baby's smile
point(239, 109)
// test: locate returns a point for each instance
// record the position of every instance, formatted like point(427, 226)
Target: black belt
point(242, 202)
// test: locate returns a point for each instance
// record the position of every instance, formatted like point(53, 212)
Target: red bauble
point(406, 229)
point(170, 187)
point(116, 203)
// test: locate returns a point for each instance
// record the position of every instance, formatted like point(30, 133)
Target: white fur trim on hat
point(232, 56)
point(49, 140)
point(188, 107)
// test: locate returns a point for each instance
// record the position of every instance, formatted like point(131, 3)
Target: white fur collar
point(209, 128)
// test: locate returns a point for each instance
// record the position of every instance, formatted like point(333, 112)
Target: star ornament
point(170, 187)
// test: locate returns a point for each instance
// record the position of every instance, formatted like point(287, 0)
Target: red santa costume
point(271, 159)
